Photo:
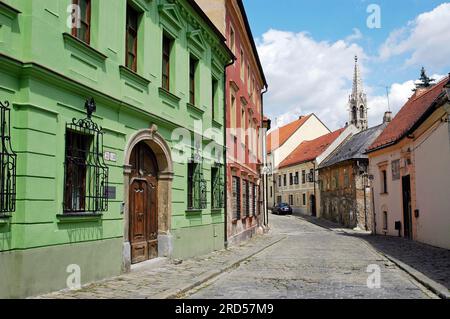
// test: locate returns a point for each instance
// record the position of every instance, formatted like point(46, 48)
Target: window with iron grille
point(296, 178)
point(196, 186)
point(236, 204)
point(311, 176)
point(86, 174)
point(246, 197)
point(217, 187)
point(291, 179)
point(251, 202)
point(82, 30)
point(303, 177)
point(255, 200)
point(8, 162)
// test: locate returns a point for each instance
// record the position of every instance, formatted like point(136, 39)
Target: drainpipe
point(225, 197)
point(315, 194)
point(265, 178)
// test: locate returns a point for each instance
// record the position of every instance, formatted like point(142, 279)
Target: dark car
point(282, 209)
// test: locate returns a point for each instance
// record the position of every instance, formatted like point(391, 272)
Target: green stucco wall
point(47, 77)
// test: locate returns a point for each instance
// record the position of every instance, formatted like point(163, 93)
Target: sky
point(307, 49)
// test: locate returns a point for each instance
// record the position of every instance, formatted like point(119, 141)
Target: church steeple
point(358, 101)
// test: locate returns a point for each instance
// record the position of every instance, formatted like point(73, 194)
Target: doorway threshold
point(151, 264)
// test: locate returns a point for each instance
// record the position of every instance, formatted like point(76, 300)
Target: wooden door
point(407, 209)
point(143, 206)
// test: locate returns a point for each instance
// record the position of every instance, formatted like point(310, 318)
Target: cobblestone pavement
point(431, 261)
point(312, 262)
point(163, 278)
point(297, 259)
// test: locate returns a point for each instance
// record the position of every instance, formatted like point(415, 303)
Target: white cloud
point(399, 93)
point(307, 76)
point(424, 39)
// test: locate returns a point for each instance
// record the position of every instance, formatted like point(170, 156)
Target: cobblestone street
point(298, 259)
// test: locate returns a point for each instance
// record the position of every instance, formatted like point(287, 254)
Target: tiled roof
point(310, 150)
point(355, 147)
point(284, 133)
point(408, 116)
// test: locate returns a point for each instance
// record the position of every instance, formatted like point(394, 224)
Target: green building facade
point(94, 93)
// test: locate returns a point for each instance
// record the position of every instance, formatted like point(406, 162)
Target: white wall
point(391, 202)
point(432, 164)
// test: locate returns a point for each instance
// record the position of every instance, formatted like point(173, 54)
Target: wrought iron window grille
point(85, 172)
point(8, 163)
point(217, 186)
point(197, 185)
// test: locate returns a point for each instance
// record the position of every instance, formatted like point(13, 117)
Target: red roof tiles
point(310, 150)
point(408, 116)
point(284, 133)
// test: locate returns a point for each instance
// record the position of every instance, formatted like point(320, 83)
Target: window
point(385, 221)
point(232, 40)
point(85, 175)
point(214, 86)
point(346, 178)
point(132, 34)
point(246, 197)
point(196, 186)
point(361, 112)
point(291, 179)
point(311, 176)
point(82, 31)
point(242, 65)
point(304, 199)
point(303, 177)
point(243, 126)
point(291, 200)
point(166, 52)
point(193, 63)
point(296, 179)
point(285, 180)
point(233, 114)
point(384, 189)
point(271, 191)
point(279, 181)
point(251, 195)
point(236, 196)
point(217, 187)
point(395, 170)
point(279, 199)
point(336, 179)
point(256, 207)
point(8, 161)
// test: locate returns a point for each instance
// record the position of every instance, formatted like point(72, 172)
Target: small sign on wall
point(110, 156)
point(111, 192)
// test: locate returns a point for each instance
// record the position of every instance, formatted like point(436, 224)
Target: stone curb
point(440, 290)
point(176, 293)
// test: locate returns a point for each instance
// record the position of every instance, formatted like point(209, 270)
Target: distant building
point(297, 174)
point(282, 141)
point(344, 182)
point(410, 165)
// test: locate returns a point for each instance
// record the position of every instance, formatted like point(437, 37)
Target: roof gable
point(284, 133)
point(310, 150)
point(408, 116)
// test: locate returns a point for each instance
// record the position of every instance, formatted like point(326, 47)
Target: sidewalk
point(429, 265)
point(165, 279)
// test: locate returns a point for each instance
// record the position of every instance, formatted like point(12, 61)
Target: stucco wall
point(433, 188)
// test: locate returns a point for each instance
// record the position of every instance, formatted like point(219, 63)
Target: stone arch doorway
point(148, 176)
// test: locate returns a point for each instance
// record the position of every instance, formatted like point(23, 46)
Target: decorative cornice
point(8, 10)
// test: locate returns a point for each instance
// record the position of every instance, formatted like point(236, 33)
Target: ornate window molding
point(8, 163)
point(197, 186)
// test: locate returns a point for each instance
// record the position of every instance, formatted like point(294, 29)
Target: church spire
point(358, 101)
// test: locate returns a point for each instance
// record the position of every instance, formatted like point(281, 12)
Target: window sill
point(4, 220)
point(194, 211)
point(84, 47)
point(8, 10)
point(384, 194)
point(215, 211)
point(217, 124)
point(169, 98)
point(195, 109)
point(132, 75)
point(79, 218)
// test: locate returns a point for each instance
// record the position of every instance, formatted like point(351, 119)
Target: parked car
point(282, 209)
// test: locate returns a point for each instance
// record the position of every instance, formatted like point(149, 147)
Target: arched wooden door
point(143, 205)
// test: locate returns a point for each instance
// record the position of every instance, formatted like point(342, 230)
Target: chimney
point(387, 117)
